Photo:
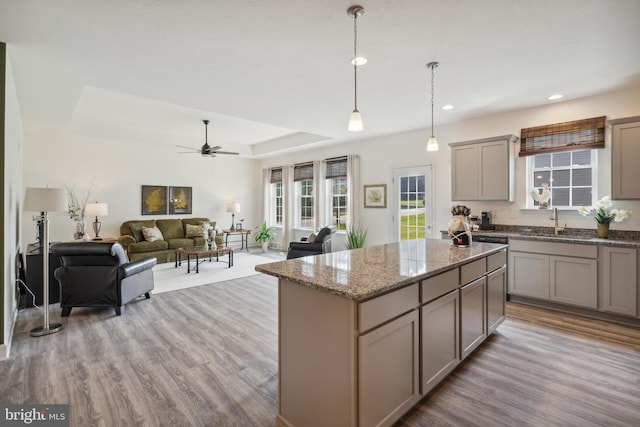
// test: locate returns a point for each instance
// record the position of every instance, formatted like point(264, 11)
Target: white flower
point(620, 214)
point(585, 210)
point(605, 202)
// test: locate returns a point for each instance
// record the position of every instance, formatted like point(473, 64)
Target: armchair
point(321, 245)
point(96, 274)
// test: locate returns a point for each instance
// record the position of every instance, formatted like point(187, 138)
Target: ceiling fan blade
point(216, 148)
point(226, 152)
point(188, 148)
point(186, 152)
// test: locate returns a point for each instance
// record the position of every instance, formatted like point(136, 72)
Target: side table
point(244, 237)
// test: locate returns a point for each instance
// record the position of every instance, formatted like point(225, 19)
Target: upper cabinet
point(482, 169)
point(625, 157)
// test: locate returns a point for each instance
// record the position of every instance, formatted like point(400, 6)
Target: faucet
point(554, 218)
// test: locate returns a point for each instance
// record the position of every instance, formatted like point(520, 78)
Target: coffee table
point(202, 251)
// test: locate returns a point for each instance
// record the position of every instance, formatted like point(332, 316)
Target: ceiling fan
point(206, 150)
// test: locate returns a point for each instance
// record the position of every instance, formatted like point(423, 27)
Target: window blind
point(566, 136)
point(336, 167)
point(276, 175)
point(303, 171)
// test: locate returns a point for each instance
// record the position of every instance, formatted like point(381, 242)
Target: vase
point(79, 231)
point(219, 239)
point(265, 246)
point(603, 231)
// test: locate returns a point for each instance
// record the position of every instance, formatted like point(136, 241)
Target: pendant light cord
point(432, 99)
point(355, 64)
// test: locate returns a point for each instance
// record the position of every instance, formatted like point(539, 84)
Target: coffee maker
point(485, 221)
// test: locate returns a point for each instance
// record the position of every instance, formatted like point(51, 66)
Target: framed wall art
point(179, 200)
point(375, 196)
point(154, 200)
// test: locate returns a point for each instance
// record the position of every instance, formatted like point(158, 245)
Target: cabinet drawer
point(473, 270)
point(436, 286)
point(496, 261)
point(551, 248)
point(386, 307)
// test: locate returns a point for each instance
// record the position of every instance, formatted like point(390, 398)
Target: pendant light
point(432, 145)
point(355, 120)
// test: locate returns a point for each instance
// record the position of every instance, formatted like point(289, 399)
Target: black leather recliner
point(321, 245)
point(100, 275)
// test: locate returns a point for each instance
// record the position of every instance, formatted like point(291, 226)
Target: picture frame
point(375, 196)
point(180, 201)
point(238, 226)
point(153, 200)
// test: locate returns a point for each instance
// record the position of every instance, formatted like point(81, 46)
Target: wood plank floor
point(207, 356)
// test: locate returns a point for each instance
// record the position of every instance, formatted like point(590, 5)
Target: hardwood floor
point(207, 356)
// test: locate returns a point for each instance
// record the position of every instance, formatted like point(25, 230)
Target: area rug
point(168, 278)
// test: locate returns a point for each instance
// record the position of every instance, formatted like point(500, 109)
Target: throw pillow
point(152, 234)
point(194, 230)
point(311, 238)
point(136, 231)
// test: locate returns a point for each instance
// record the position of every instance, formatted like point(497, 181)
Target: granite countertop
point(629, 239)
point(362, 274)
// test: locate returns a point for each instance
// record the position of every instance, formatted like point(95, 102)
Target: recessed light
point(554, 97)
point(447, 107)
point(359, 60)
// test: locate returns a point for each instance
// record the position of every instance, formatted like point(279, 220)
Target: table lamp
point(45, 200)
point(233, 208)
point(96, 209)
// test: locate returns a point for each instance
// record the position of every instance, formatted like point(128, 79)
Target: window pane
point(561, 159)
point(581, 177)
point(582, 157)
point(581, 197)
point(540, 178)
point(404, 184)
point(561, 178)
point(420, 188)
point(560, 197)
point(542, 161)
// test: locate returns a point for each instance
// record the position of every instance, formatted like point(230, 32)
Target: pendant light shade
point(432, 144)
point(355, 120)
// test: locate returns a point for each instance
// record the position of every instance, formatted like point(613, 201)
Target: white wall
point(116, 170)
point(379, 156)
point(13, 199)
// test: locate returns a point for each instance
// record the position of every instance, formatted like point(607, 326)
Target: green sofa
point(173, 232)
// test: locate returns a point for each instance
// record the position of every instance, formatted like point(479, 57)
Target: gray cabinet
point(473, 312)
point(573, 281)
point(618, 280)
point(388, 358)
point(496, 289)
point(541, 270)
point(483, 169)
point(625, 157)
point(440, 339)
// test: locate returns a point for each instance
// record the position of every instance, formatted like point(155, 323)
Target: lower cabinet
point(573, 281)
point(529, 274)
point(440, 339)
point(473, 316)
point(388, 371)
point(496, 289)
point(618, 280)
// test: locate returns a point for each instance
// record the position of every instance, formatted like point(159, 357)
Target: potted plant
point(604, 215)
point(263, 235)
point(356, 236)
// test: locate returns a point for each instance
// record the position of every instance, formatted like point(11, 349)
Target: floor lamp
point(45, 200)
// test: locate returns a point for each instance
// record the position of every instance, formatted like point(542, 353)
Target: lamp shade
point(233, 207)
point(355, 122)
point(432, 144)
point(45, 200)
point(96, 209)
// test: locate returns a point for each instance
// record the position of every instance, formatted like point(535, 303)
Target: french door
point(413, 197)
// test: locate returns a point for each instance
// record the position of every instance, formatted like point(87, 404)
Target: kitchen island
point(365, 334)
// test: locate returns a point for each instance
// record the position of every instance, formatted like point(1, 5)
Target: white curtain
point(355, 195)
point(319, 183)
point(289, 203)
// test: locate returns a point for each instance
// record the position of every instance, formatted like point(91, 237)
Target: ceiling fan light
point(355, 122)
point(432, 144)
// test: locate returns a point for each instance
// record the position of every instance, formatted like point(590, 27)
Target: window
point(276, 197)
point(305, 206)
point(303, 178)
point(569, 174)
point(337, 192)
point(337, 201)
